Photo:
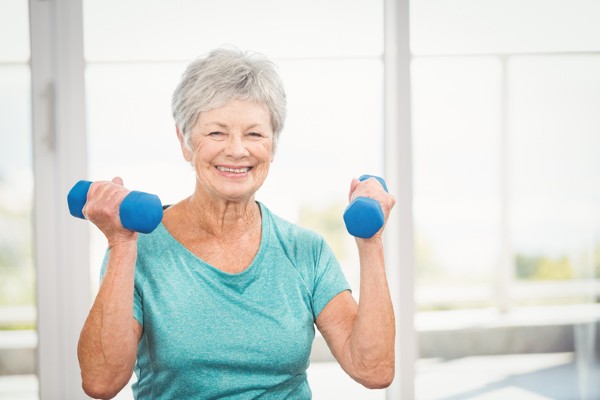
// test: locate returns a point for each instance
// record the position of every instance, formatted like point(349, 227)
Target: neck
point(222, 218)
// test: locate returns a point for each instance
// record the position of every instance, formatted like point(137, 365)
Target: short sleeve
point(329, 279)
point(137, 299)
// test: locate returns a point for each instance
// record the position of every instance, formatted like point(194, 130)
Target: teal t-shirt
point(208, 334)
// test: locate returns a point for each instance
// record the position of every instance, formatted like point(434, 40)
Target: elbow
point(373, 369)
point(96, 392)
point(97, 389)
point(378, 375)
point(103, 380)
point(379, 378)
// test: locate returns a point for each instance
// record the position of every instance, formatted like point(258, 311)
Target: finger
point(117, 180)
point(103, 198)
point(366, 188)
point(373, 189)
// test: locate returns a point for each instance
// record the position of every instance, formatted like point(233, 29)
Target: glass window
point(457, 123)
point(555, 196)
point(18, 339)
point(506, 198)
point(329, 56)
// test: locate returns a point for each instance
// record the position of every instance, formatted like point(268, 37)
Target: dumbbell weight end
point(139, 211)
point(77, 197)
point(363, 216)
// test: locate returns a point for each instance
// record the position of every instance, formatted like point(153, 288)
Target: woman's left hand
point(373, 189)
point(362, 336)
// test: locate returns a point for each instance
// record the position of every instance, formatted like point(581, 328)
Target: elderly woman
point(221, 300)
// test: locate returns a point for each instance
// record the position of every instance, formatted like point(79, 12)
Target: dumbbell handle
point(139, 211)
point(363, 216)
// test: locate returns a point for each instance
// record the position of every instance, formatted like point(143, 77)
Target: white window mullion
point(505, 275)
point(398, 172)
point(59, 146)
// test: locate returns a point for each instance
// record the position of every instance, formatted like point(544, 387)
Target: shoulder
point(158, 250)
point(289, 233)
point(150, 242)
point(304, 248)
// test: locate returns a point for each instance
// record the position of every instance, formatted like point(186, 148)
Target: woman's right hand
point(108, 342)
point(102, 209)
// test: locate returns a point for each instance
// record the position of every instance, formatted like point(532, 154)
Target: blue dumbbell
point(364, 217)
point(139, 211)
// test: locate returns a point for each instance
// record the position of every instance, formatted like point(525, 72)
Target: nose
point(236, 147)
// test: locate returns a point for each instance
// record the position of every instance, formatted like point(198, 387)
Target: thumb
point(117, 180)
point(353, 186)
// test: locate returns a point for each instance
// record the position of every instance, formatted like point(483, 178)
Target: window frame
point(60, 159)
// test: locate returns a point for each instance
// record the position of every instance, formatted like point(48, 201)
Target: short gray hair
point(227, 74)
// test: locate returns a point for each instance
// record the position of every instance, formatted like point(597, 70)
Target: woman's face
point(231, 149)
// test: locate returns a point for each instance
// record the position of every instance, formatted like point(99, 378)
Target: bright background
point(506, 138)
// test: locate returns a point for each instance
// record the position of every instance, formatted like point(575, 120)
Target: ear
point(185, 148)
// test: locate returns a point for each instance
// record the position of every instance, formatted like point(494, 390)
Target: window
point(457, 122)
point(506, 197)
point(17, 275)
point(505, 134)
point(329, 56)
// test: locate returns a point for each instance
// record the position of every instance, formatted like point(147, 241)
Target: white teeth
point(234, 170)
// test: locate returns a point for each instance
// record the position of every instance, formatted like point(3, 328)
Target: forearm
point(108, 342)
point(373, 333)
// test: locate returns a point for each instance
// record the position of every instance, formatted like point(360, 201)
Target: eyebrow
point(224, 125)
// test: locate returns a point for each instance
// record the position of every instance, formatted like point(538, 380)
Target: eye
point(255, 135)
point(216, 135)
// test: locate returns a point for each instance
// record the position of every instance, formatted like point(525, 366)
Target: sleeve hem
point(319, 305)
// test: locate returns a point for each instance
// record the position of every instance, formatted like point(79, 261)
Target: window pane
point(538, 174)
point(504, 26)
point(555, 175)
point(329, 56)
point(456, 125)
point(18, 339)
point(14, 40)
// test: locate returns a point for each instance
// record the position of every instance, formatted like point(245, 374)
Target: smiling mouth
point(229, 170)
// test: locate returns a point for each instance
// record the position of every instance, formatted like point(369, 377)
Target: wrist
point(123, 243)
point(375, 242)
point(370, 249)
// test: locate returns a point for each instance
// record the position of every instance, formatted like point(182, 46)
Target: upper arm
point(338, 325)
point(335, 322)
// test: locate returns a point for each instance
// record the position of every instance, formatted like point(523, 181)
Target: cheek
point(267, 151)
point(265, 155)
point(202, 154)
